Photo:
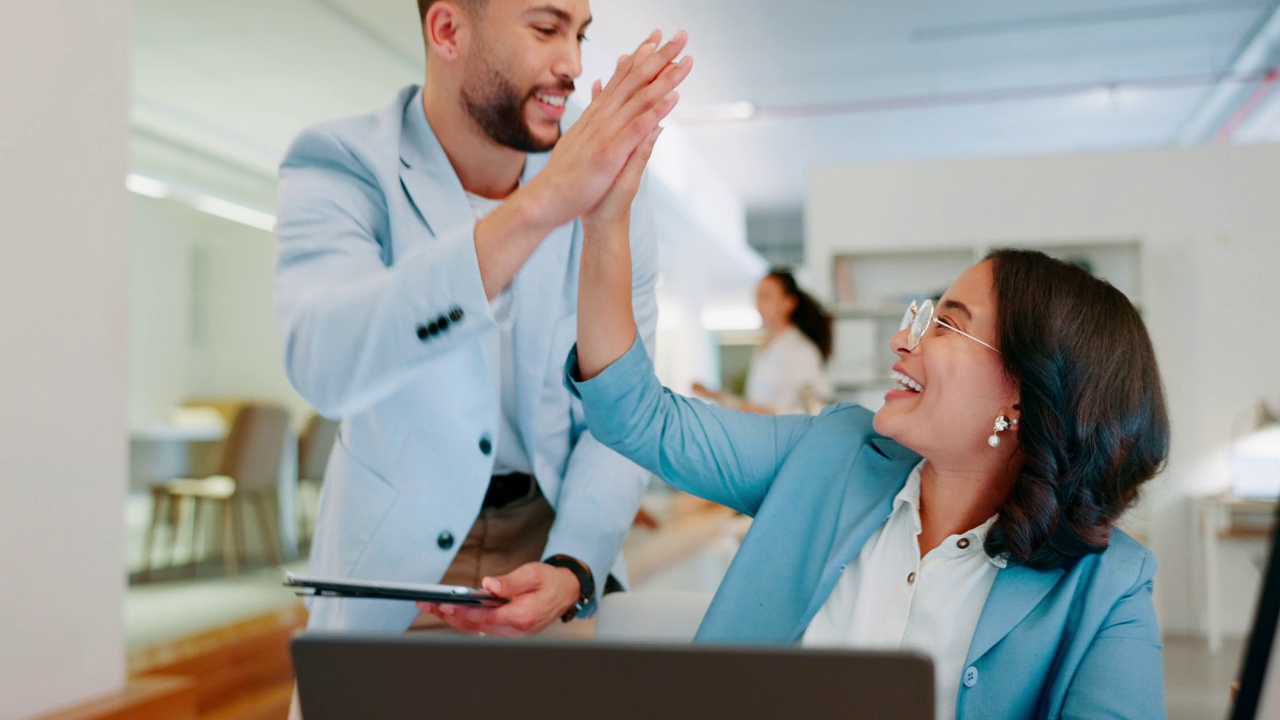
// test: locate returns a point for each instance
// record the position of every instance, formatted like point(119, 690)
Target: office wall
point(202, 313)
point(160, 307)
point(1210, 224)
point(64, 263)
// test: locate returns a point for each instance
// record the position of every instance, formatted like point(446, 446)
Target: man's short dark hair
point(471, 6)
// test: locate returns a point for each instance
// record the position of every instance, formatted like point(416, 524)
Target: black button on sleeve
point(486, 446)
point(423, 334)
point(455, 314)
point(443, 322)
point(434, 328)
point(445, 541)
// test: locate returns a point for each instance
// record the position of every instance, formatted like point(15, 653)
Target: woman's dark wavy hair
point(809, 317)
point(1093, 423)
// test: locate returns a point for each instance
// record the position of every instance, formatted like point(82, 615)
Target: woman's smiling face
point(953, 387)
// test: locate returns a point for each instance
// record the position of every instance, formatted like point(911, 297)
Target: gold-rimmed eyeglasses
point(918, 317)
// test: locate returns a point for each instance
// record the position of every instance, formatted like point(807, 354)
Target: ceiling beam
point(1256, 59)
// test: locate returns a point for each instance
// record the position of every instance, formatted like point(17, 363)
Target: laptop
point(344, 676)
point(1259, 695)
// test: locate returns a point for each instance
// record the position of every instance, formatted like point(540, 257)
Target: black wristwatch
point(586, 583)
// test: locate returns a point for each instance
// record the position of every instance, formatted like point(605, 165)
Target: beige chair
point(249, 469)
point(314, 446)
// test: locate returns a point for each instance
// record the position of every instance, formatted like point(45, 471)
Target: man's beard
point(498, 108)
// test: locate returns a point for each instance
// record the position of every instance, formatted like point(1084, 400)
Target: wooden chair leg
point(195, 536)
point(242, 536)
point(313, 508)
point(273, 511)
point(157, 514)
point(179, 503)
point(304, 509)
point(268, 525)
point(230, 553)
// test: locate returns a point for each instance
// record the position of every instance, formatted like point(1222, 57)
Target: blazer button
point(970, 676)
point(486, 446)
point(445, 541)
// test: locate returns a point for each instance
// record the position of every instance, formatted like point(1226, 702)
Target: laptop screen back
point(386, 676)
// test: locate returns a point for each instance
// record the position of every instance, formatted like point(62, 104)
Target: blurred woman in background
point(788, 372)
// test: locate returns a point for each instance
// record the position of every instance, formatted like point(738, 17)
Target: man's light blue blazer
point(1076, 643)
point(383, 317)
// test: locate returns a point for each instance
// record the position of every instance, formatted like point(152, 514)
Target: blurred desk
point(159, 453)
point(1219, 517)
point(700, 536)
point(162, 452)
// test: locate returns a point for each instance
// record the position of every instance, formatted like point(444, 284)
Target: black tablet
point(342, 587)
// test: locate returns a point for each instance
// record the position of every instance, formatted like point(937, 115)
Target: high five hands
point(595, 169)
point(593, 173)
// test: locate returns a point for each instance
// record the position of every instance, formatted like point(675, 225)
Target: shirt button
point(445, 541)
point(486, 446)
point(970, 676)
point(911, 578)
point(962, 543)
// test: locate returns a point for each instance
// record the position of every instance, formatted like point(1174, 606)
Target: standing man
point(426, 293)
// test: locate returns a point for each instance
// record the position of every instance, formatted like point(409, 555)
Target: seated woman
point(971, 518)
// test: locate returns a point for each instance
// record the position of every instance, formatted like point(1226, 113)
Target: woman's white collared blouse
point(889, 598)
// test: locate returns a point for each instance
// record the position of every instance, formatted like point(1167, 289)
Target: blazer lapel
point(877, 475)
point(544, 287)
point(428, 176)
point(1016, 591)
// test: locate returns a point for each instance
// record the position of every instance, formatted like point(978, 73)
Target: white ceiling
point(832, 82)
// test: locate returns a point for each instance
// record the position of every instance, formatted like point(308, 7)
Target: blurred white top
point(787, 375)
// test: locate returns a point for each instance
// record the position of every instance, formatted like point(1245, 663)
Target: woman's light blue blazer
point(1076, 643)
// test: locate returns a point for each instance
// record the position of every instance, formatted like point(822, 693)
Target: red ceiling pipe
point(1248, 107)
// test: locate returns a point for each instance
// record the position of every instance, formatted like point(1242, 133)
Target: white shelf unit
point(872, 289)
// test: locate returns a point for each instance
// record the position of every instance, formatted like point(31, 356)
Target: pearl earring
point(1002, 423)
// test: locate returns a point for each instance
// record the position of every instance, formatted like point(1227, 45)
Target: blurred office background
point(879, 148)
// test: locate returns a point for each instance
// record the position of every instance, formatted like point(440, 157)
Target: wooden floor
point(237, 672)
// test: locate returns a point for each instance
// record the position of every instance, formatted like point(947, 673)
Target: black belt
point(506, 489)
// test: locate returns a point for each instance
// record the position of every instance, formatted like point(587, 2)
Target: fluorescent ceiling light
point(724, 112)
point(234, 212)
point(742, 110)
point(146, 186)
point(152, 188)
point(724, 318)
